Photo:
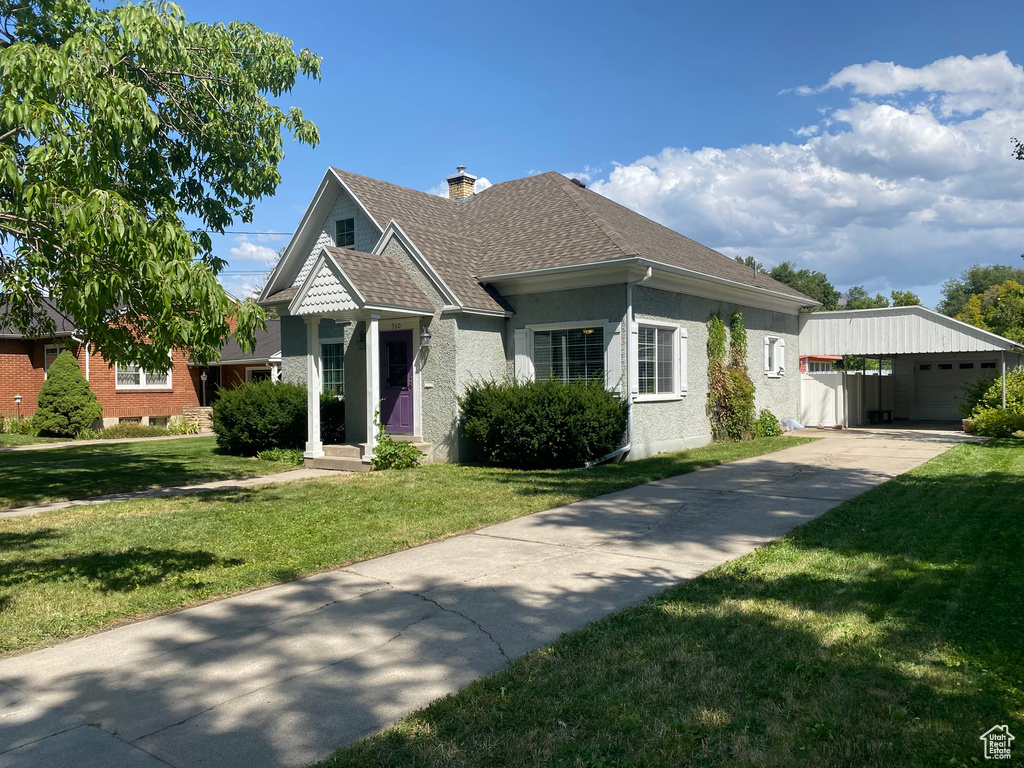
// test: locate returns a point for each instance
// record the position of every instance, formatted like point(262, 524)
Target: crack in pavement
point(423, 597)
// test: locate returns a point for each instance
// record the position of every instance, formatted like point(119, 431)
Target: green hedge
point(543, 424)
point(263, 415)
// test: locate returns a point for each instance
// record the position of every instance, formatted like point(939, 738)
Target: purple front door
point(396, 381)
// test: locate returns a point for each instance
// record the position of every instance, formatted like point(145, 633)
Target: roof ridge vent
point(578, 183)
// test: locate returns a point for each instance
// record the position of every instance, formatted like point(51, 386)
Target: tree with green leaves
point(975, 280)
point(750, 261)
point(1000, 310)
point(905, 299)
point(127, 135)
point(858, 298)
point(811, 283)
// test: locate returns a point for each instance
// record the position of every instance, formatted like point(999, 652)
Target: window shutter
point(767, 343)
point(613, 357)
point(683, 361)
point(523, 365)
point(782, 356)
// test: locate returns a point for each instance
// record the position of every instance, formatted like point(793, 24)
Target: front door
point(396, 381)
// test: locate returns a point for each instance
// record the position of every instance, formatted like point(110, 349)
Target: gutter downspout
point(85, 346)
point(1002, 357)
point(629, 378)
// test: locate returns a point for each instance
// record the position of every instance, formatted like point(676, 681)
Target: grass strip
point(58, 474)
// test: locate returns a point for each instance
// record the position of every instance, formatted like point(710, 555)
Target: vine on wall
point(730, 405)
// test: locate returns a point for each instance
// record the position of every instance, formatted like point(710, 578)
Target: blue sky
point(772, 130)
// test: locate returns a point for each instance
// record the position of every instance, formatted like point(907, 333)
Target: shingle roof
point(380, 279)
point(533, 223)
point(268, 344)
point(63, 324)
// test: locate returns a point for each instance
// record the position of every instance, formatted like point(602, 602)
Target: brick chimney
point(460, 184)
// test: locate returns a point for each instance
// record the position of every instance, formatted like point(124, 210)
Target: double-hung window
point(50, 354)
point(134, 377)
point(332, 359)
point(569, 354)
point(345, 233)
point(774, 356)
point(656, 361)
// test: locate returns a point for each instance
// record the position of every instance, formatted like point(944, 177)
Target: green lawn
point(36, 477)
point(82, 569)
point(6, 440)
point(889, 632)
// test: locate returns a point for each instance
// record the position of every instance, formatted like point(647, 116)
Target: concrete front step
point(349, 458)
point(338, 464)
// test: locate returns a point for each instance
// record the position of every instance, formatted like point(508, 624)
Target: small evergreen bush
point(332, 419)
point(258, 416)
point(542, 424)
point(767, 425)
point(66, 403)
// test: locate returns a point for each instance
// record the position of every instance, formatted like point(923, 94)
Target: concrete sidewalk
point(282, 676)
point(287, 476)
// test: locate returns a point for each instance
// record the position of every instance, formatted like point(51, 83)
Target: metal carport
point(933, 356)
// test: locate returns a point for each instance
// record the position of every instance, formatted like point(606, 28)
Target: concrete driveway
point(282, 676)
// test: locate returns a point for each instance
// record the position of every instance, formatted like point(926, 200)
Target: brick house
point(126, 393)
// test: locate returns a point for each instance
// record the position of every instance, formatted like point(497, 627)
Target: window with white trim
point(569, 354)
point(819, 366)
point(332, 359)
point(134, 377)
point(656, 360)
point(774, 356)
point(50, 353)
point(345, 233)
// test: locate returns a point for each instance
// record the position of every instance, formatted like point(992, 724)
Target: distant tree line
point(989, 297)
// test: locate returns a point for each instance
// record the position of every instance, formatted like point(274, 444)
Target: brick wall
point(21, 372)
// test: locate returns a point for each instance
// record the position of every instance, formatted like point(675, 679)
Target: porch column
point(314, 446)
point(372, 382)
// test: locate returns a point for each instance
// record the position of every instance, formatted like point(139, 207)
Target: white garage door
point(939, 386)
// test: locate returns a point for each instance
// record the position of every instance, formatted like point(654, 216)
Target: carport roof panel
point(894, 331)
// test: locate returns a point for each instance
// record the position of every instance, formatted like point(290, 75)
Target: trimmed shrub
point(995, 422)
point(264, 415)
point(542, 424)
point(129, 429)
point(767, 425)
point(258, 416)
point(66, 403)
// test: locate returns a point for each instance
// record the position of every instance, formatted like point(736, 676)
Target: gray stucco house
point(401, 298)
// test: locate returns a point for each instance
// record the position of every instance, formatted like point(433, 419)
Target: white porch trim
point(372, 382)
point(314, 445)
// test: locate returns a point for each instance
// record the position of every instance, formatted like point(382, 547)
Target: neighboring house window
point(345, 233)
point(134, 377)
point(569, 354)
point(774, 356)
point(819, 366)
point(258, 374)
point(656, 360)
point(332, 357)
point(988, 365)
point(49, 355)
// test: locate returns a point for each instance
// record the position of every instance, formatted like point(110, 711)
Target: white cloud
point(246, 250)
point(887, 192)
